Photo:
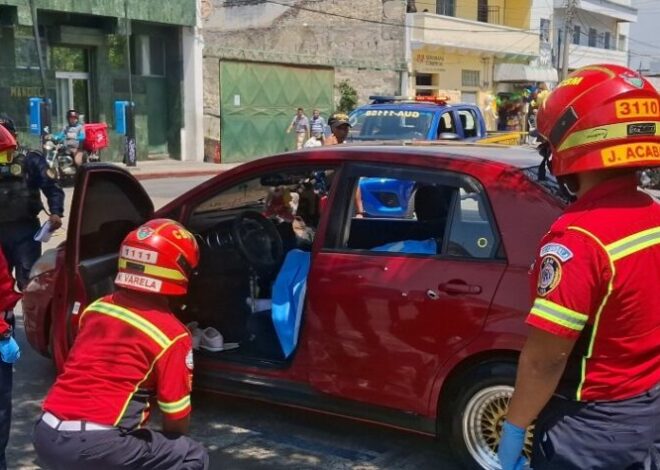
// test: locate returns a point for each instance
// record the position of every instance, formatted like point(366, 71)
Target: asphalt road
point(240, 434)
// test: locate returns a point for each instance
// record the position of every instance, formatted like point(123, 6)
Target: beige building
point(263, 59)
point(471, 51)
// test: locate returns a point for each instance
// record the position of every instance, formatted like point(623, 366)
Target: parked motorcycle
point(60, 160)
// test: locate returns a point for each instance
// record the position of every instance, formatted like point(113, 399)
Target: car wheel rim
point(482, 425)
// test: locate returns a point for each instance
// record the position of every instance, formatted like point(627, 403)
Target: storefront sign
point(24, 91)
point(425, 60)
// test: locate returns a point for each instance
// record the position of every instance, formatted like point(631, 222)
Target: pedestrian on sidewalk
point(9, 352)
point(339, 126)
point(317, 125)
point(300, 124)
point(130, 350)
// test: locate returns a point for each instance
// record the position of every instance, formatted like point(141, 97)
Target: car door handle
point(459, 287)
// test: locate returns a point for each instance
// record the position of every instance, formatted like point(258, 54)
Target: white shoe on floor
point(212, 340)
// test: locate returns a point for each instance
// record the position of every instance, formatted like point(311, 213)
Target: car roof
point(513, 156)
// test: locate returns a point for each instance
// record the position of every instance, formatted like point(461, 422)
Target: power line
point(382, 23)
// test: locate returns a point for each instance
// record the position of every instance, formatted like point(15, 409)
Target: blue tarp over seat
point(289, 298)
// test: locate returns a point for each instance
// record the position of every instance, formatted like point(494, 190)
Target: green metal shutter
point(258, 101)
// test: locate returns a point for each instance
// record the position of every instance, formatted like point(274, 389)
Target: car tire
point(475, 412)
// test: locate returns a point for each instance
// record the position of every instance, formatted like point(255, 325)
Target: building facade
point(600, 31)
point(478, 51)
point(86, 48)
point(263, 59)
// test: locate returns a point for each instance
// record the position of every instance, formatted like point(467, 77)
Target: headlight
point(46, 263)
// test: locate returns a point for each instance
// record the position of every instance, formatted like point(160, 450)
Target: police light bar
point(432, 99)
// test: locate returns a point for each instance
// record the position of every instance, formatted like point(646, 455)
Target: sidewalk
point(169, 168)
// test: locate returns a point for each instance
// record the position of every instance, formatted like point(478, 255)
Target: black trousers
point(114, 450)
point(622, 435)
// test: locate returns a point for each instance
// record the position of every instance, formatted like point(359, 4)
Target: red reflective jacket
point(8, 296)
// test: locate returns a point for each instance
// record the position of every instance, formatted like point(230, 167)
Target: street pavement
point(239, 434)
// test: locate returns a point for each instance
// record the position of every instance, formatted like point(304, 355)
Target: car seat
point(275, 332)
point(432, 204)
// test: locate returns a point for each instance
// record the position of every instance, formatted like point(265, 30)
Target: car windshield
point(549, 183)
point(390, 124)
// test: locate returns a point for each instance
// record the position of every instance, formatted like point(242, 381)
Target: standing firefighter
point(130, 349)
point(590, 369)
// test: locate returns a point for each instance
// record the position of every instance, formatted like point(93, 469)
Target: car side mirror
point(448, 136)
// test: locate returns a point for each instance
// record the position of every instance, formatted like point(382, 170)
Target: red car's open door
point(108, 202)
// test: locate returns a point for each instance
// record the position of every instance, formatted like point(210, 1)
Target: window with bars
point(607, 38)
point(593, 37)
point(470, 77)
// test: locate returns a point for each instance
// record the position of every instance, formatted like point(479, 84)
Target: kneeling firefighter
point(130, 348)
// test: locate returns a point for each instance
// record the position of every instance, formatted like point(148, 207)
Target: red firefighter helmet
point(601, 117)
point(7, 145)
point(158, 257)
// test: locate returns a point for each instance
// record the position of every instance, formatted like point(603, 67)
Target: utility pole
point(571, 5)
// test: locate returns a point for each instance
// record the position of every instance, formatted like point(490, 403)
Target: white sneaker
point(212, 340)
point(196, 333)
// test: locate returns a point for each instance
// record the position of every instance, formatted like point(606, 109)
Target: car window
point(469, 122)
point(390, 124)
point(446, 124)
point(472, 234)
point(110, 212)
point(383, 213)
point(292, 199)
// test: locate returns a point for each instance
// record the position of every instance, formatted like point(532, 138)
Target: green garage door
point(258, 101)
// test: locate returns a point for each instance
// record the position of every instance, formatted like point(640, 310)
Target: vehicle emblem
point(144, 232)
point(644, 128)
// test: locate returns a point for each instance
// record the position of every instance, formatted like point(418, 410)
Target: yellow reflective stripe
point(132, 319)
point(146, 376)
point(165, 273)
point(600, 133)
point(633, 243)
point(601, 307)
point(176, 406)
point(559, 315)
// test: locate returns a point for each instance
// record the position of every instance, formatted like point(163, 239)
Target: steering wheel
point(258, 240)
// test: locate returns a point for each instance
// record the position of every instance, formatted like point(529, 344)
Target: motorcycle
point(60, 160)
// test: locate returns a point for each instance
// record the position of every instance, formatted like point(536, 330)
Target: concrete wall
point(368, 54)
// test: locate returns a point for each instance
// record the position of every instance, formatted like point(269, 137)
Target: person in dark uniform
point(589, 372)
point(130, 349)
point(9, 353)
point(22, 177)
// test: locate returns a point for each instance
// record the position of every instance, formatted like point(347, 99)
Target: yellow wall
point(513, 13)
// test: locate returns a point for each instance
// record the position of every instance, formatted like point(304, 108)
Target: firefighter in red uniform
point(9, 352)
point(130, 349)
point(590, 368)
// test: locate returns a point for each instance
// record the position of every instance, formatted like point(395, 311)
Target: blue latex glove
point(511, 446)
point(9, 350)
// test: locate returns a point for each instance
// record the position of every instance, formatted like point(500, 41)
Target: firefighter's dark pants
point(20, 248)
point(622, 435)
point(116, 450)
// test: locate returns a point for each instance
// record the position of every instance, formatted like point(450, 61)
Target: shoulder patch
point(562, 252)
point(189, 360)
point(549, 275)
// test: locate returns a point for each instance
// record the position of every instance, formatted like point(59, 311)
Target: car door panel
point(107, 203)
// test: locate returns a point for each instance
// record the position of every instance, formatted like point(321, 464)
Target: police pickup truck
point(424, 118)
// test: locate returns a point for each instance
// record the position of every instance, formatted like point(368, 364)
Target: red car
point(414, 321)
